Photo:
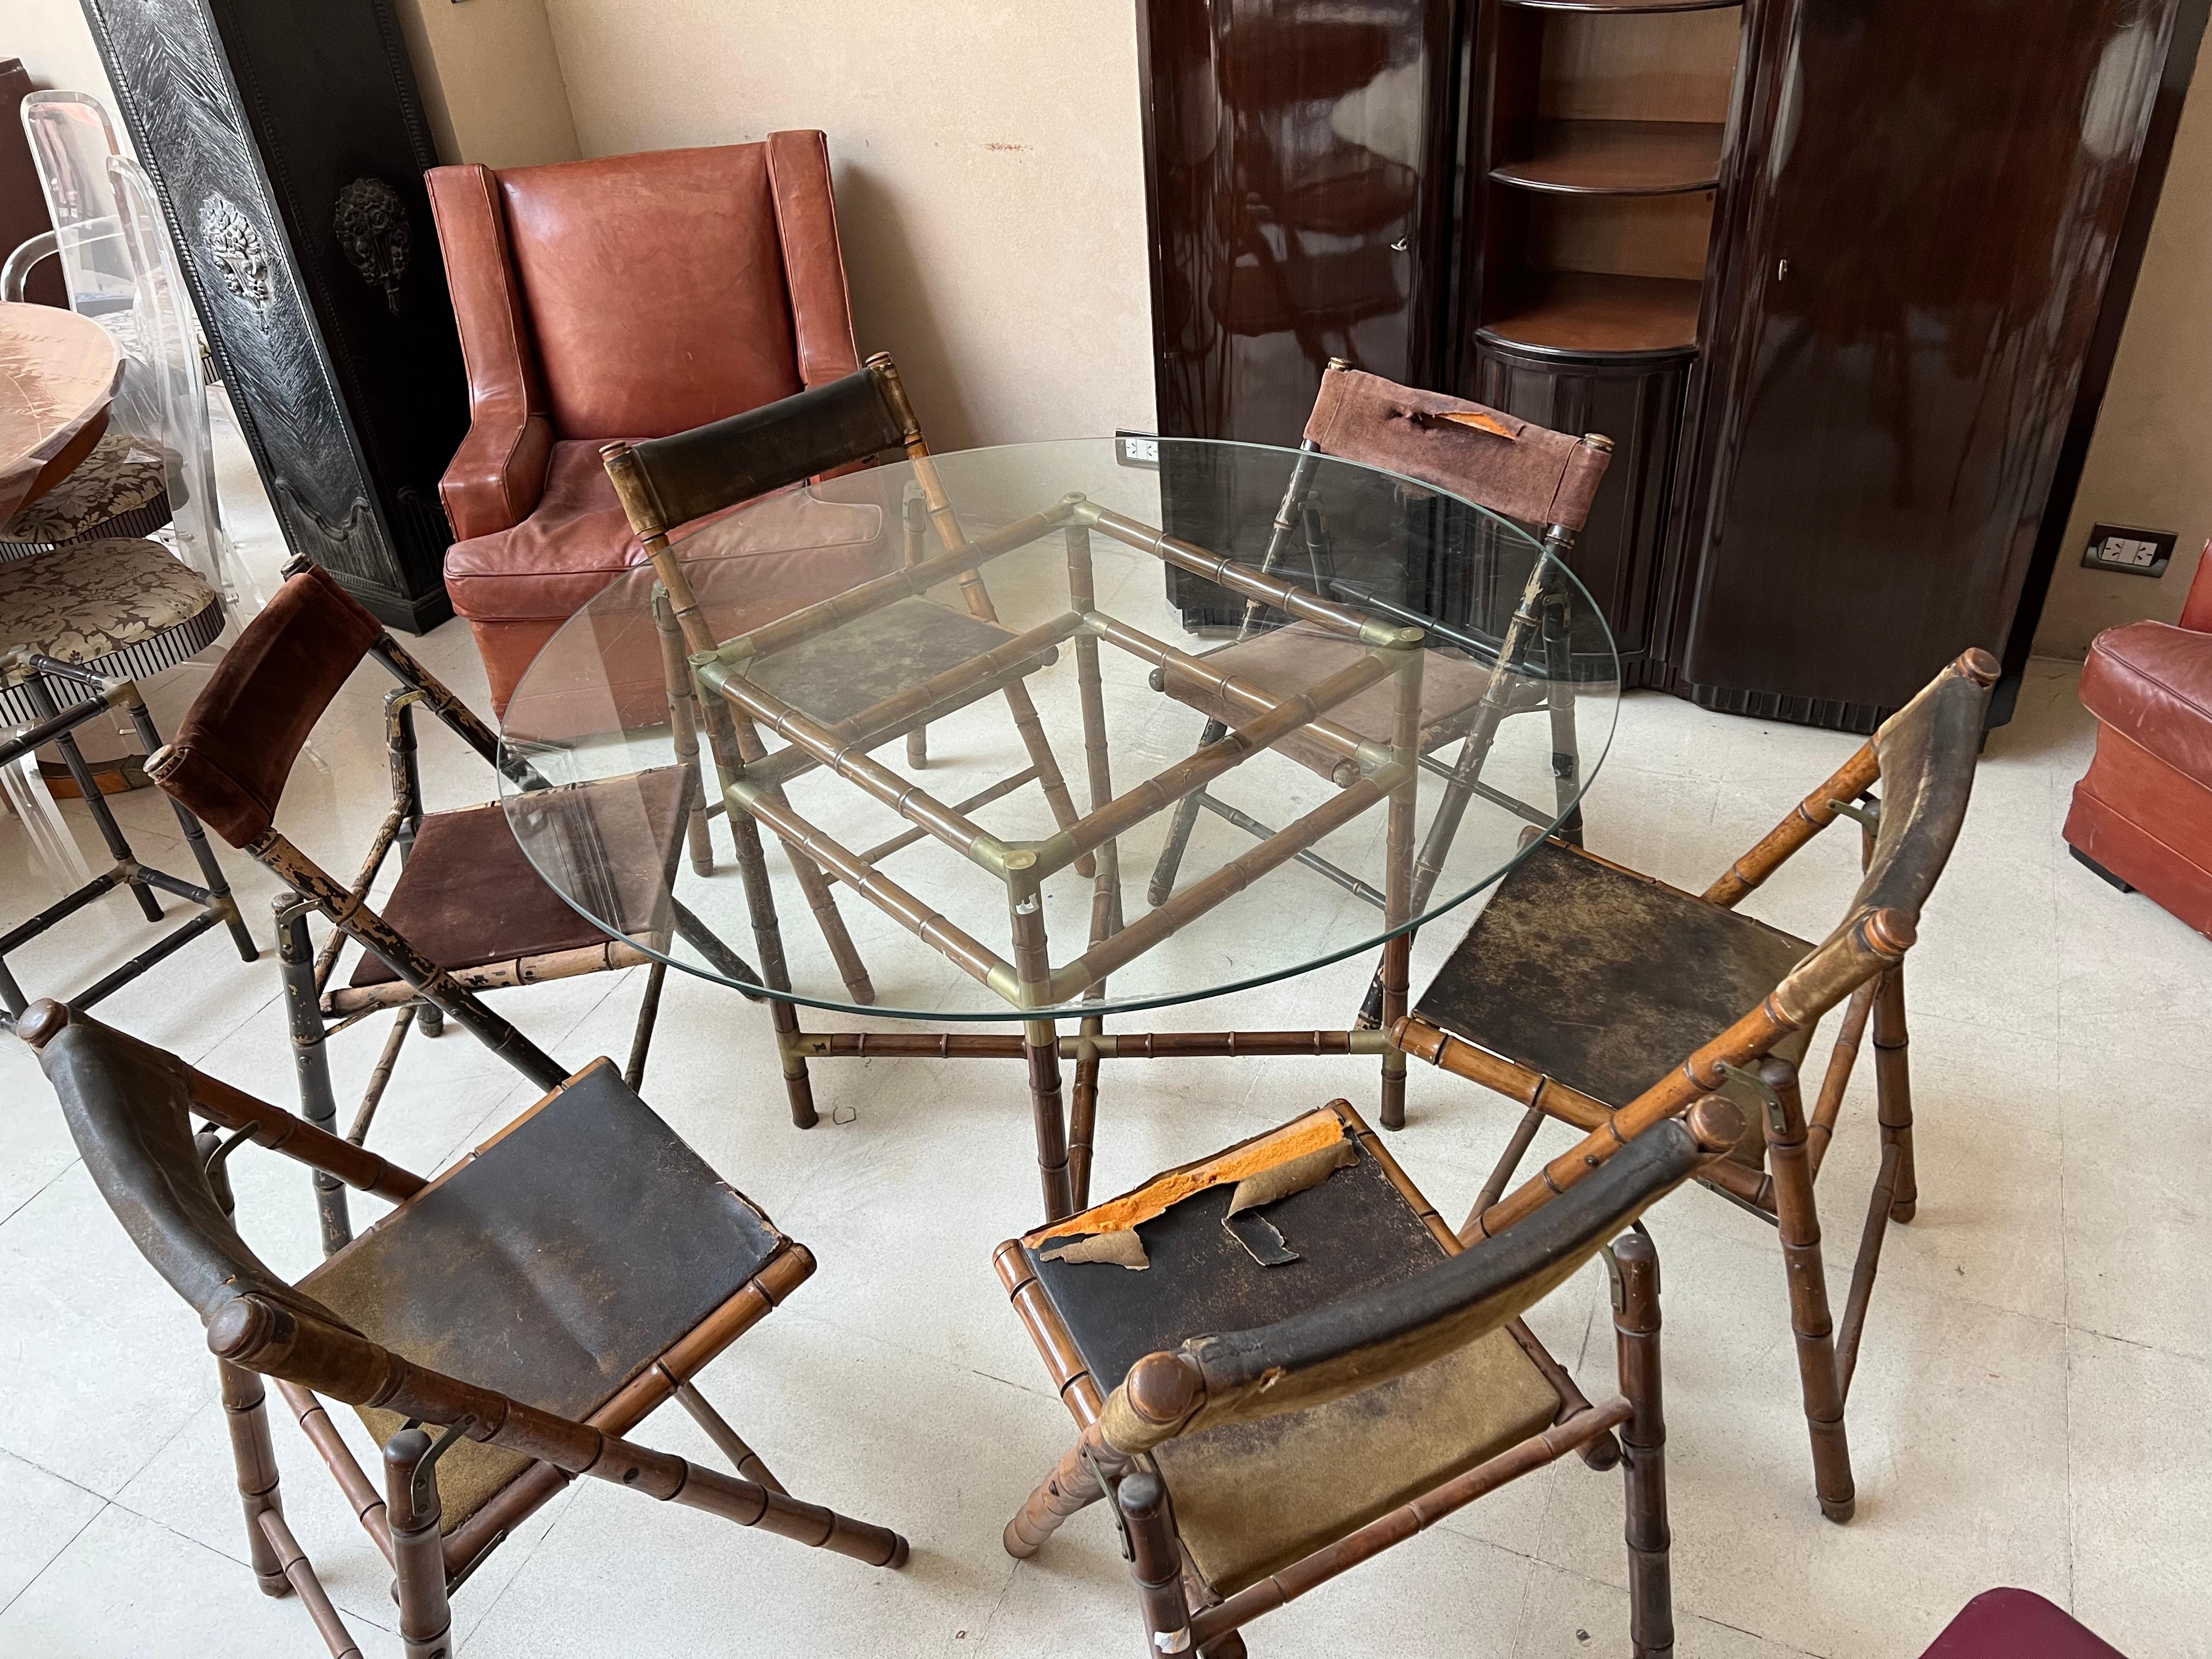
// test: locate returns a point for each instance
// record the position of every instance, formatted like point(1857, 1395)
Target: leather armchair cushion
point(654, 288)
point(578, 541)
point(2152, 683)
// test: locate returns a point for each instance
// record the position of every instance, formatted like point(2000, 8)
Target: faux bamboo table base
point(1412, 654)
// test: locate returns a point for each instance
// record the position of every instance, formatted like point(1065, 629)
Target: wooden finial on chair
point(1978, 666)
point(1715, 1123)
point(42, 1022)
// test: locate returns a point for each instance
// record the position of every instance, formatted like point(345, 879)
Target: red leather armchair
point(2143, 814)
point(626, 297)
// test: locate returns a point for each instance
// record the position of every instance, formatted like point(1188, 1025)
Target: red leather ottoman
point(2141, 816)
point(2016, 1624)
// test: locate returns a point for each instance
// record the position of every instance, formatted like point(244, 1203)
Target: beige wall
point(508, 105)
point(55, 46)
point(491, 82)
point(989, 174)
point(2151, 463)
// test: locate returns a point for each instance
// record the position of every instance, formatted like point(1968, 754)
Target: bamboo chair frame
point(661, 485)
point(1543, 613)
point(1329, 1353)
point(58, 726)
point(425, 994)
point(700, 463)
point(1931, 744)
point(256, 1328)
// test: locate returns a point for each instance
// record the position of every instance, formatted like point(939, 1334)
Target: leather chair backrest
point(1494, 459)
point(1362, 1341)
point(632, 297)
point(654, 288)
point(230, 758)
point(128, 1105)
point(691, 474)
point(1926, 751)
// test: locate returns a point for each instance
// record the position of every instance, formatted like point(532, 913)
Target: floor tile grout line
point(106, 1504)
point(33, 1197)
point(2065, 1283)
point(528, 1556)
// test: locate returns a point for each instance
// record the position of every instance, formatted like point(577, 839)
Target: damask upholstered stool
point(123, 608)
point(92, 618)
point(118, 490)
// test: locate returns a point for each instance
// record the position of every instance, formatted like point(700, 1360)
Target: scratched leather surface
point(1601, 979)
point(468, 895)
point(553, 1264)
point(836, 675)
point(1250, 1497)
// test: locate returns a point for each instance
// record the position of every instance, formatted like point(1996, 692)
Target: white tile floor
point(2032, 1404)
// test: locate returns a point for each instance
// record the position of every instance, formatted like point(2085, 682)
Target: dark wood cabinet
point(1901, 328)
point(1635, 399)
point(1842, 278)
point(288, 143)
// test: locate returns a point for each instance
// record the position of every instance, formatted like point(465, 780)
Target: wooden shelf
point(1590, 314)
point(1624, 5)
point(1617, 158)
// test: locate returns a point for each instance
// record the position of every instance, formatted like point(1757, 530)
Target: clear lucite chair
point(156, 466)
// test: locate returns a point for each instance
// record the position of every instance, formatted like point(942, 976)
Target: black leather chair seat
point(554, 1263)
point(1251, 1497)
point(1602, 979)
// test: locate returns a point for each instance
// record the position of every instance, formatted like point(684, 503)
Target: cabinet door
point(1298, 161)
point(1637, 404)
point(1918, 241)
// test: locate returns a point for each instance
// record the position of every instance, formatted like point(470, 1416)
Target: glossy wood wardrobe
point(1843, 280)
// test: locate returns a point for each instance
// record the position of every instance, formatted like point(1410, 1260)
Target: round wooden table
point(57, 375)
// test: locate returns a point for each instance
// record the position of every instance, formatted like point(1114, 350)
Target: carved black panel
point(288, 140)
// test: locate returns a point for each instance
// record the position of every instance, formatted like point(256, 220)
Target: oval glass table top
point(1032, 631)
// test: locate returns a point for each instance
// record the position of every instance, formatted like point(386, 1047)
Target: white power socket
point(1136, 449)
point(2136, 552)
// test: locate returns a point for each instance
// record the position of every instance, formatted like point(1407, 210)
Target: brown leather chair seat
point(878, 656)
point(479, 1276)
point(469, 896)
point(1251, 1497)
point(1290, 660)
point(1600, 978)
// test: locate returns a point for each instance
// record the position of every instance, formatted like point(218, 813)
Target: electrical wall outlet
point(2138, 552)
point(1140, 449)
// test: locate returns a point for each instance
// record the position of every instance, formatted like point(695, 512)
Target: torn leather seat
point(1250, 1497)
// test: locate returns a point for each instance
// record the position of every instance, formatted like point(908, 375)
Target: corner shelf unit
point(1601, 147)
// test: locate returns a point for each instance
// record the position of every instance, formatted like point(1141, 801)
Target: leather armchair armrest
point(2196, 609)
point(497, 477)
point(814, 257)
